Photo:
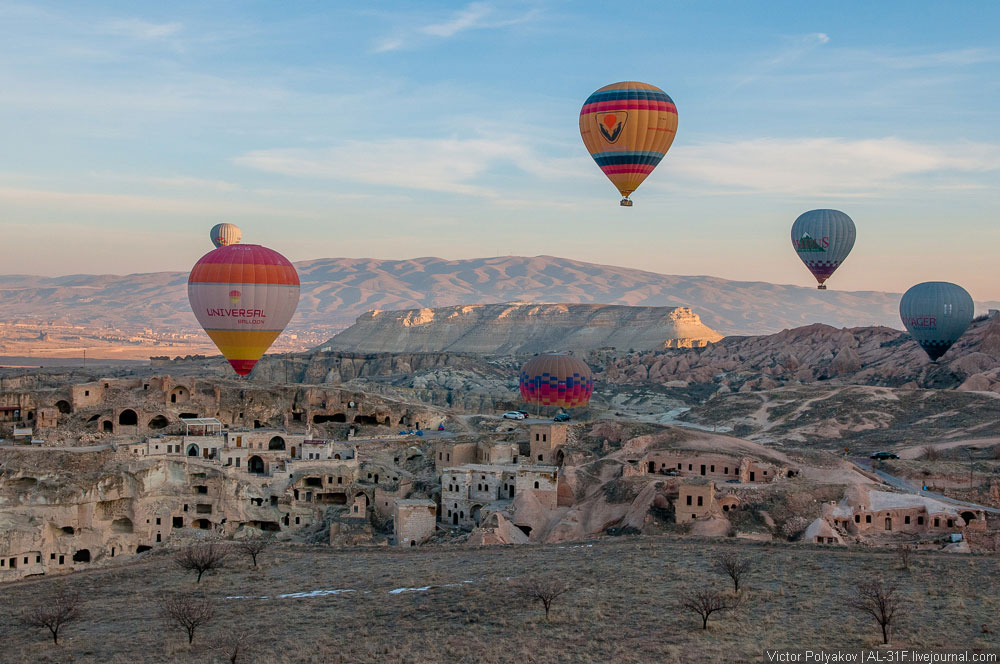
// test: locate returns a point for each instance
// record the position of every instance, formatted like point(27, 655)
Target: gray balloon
point(823, 239)
point(936, 314)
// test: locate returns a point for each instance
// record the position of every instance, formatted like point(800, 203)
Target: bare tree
point(254, 546)
point(542, 589)
point(881, 601)
point(53, 612)
point(904, 551)
point(188, 612)
point(707, 601)
point(235, 646)
point(201, 558)
point(931, 453)
point(735, 566)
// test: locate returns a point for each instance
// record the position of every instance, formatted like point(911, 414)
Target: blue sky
point(395, 130)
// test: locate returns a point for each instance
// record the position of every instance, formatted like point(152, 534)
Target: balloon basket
point(821, 287)
point(626, 203)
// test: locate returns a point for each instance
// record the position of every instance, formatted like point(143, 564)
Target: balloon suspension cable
point(626, 202)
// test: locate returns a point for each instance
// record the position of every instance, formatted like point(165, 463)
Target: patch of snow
point(398, 591)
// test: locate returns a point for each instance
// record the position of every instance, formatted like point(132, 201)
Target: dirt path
point(916, 451)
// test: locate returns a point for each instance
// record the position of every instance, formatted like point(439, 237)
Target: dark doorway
point(276, 443)
point(454, 518)
point(158, 422)
point(702, 469)
point(255, 465)
point(888, 523)
point(192, 450)
point(969, 517)
point(128, 418)
point(323, 419)
point(82, 556)
point(64, 407)
point(107, 426)
point(651, 467)
point(366, 419)
point(142, 548)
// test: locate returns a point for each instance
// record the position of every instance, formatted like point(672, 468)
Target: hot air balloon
point(243, 295)
point(224, 235)
point(627, 128)
point(823, 239)
point(936, 314)
point(555, 379)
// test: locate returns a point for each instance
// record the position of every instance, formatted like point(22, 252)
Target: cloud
point(830, 166)
point(795, 48)
point(134, 28)
point(450, 165)
point(474, 16)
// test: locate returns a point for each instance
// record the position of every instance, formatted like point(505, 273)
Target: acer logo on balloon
point(920, 321)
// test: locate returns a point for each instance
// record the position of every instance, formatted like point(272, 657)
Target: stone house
point(545, 441)
point(714, 466)
point(414, 521)
point(695, 500)
point(471, 491)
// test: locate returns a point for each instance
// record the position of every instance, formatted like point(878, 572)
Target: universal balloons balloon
point(936, 314)
point(628, 128)
point(243, 295)
point(823, 239)
point(554, 379)
point(224, 235)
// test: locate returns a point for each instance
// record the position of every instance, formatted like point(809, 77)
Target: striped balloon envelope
point(225, 234)
point(554, 379)
point(628, 128)
point(243, 295)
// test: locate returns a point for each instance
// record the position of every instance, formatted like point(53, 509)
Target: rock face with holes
point(522, 327)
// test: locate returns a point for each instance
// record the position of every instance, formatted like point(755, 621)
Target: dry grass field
point(623, 606)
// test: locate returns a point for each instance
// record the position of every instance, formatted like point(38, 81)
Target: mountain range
point(336, 291)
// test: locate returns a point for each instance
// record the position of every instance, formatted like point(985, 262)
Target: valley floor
point(443, 604)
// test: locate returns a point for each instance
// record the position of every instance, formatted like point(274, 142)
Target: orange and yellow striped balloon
point(628, 128)
point(243, 295)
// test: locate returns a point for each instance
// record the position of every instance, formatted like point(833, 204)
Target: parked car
point(513, 415)
point(884, 455)
point(523, 412)
point(562, 417)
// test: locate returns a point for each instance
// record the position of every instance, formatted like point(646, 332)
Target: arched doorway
point(476, 509)
point(128, 417)
point(179, 394)
point(255, 465)
point(107, 426)
point(158, 422)
point(276, 443)
point(968, 517)
point(63, 407)
point(192, 450)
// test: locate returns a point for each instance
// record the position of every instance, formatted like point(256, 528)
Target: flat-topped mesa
point(524, 327)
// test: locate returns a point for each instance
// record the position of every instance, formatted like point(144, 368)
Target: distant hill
point(337, 290)
point(518, 328)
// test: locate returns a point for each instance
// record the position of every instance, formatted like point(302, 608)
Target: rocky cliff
point(520, 328)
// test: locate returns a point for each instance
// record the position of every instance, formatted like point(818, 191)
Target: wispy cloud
point(134, 28)
point(453, 165)
point(831, 166)
point(793, 49)
point(474, 16)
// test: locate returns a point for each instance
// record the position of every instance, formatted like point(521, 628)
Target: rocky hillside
point(335, 291)
point(519, 328)
point(858, 356)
